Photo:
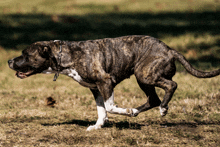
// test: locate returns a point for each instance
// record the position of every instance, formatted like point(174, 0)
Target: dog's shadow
point(119, 125)
point(134, 126)
point(74, 121)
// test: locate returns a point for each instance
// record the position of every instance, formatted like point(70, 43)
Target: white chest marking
point(49, 71)
point(74, 74)
point(69, 72)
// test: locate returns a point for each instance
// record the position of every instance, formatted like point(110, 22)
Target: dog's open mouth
point(23, 75)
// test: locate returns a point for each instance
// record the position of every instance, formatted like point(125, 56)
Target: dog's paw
point(132, 112)
point(94, 127)
point(135, 112)
point(163, 111)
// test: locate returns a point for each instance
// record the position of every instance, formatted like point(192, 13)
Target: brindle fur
point(104, 63)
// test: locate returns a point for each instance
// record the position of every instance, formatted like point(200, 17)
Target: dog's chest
point(69, 72)
point(73, 74)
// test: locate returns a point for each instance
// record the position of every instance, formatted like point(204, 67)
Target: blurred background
point(189, 26)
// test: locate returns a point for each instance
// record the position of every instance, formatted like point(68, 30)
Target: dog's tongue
point(20, 74)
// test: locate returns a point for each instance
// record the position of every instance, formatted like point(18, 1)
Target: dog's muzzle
point(10, 63)
point(19, 74)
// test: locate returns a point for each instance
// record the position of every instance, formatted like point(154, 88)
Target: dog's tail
point(192, 70)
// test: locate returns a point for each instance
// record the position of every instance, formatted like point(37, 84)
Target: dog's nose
point(10, 61)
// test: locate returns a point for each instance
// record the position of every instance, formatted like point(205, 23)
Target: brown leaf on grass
point(55, 18)
point(51, 102)
point(191, 54)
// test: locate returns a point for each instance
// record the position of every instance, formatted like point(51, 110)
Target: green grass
point(191, 27)
point(82, 7)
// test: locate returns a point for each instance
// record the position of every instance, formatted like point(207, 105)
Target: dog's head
point(34, 59)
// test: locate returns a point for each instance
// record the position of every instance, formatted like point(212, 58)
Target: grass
point(190, 27)
point(81, 7)
point(193, 118)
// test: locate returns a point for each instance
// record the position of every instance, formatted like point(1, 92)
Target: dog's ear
point(45, 50)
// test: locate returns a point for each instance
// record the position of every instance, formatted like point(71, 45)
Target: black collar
point(58, 64)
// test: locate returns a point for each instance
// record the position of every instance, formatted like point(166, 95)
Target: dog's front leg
point(102, 115)
point(114, 109)
point(107, 92)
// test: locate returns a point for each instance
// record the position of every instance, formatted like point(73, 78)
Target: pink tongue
point(20, 74)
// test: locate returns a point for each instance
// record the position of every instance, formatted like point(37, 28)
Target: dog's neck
point(71, 72)
point(58, 63)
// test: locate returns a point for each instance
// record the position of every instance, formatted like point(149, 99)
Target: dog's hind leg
point(153, 99)
point(102, 114)
point(169, 86)
point(157, 73)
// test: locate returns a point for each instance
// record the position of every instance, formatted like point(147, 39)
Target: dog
point(103, 63)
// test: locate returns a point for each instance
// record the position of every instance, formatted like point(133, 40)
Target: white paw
point(134, 113)
point(94, 127)
point(163, 111)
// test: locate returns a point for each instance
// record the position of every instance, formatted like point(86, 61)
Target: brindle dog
point(101, 64)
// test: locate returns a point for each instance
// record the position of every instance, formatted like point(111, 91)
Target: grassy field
point(189, 26)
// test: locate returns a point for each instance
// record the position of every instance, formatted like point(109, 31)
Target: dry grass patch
point(193, 118)
point(83, 7)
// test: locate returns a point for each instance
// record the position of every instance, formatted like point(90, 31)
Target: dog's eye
point(35, 59)
point(26, 59)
